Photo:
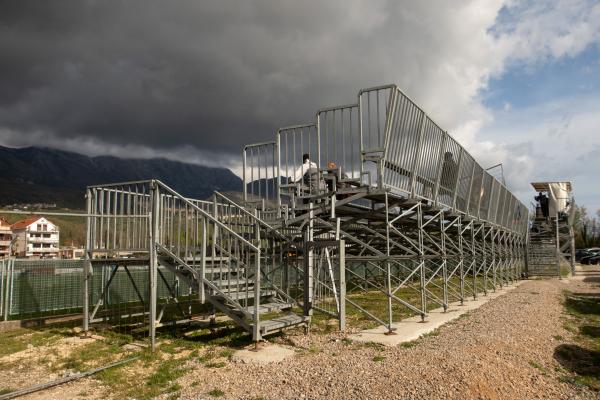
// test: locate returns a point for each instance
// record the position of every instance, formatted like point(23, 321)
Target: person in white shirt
point(309, 176)
point(298, 176)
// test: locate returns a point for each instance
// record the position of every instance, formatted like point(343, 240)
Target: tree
point(587, 228)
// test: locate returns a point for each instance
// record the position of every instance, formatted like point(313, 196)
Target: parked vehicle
point(594, 260)
point(581, 253)
point(586, 259)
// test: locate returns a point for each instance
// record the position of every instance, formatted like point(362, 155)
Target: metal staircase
point(223, 252)
point(549, 243)
point(220, 250)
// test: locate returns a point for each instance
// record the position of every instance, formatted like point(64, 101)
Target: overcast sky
point(516, 82)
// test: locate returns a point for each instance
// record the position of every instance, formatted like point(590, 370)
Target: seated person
point(309, 175)
point(336, 175)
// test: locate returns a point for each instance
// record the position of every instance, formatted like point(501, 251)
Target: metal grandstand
point(403, 219)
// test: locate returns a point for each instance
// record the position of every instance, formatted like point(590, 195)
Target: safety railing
point(339, 132)
point(421, 160)
point(292, 143)
point(210, 244)
point(118, 218)
point(392, 141)
point(259, 172)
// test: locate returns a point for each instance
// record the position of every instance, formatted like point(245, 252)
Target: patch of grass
point(213, 364)
point(6, 391)
point(434, 333)
point(162, 380)
point(222, 334)
point(20, 339)
point(581, 305)
point(590, 331)
point(539, 367)
point(374, 345)
point(207, 356)
point(558, 337)
point(95, 353)
point(581, 360)
point(216, 393)
point(570, 327)
point(573, 380)
point(408, 345)
point(378, 358)
point(314, 350)
point(226, 353)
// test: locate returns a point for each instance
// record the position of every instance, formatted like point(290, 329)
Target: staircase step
point(209, 260)
point(233, 294)
point(269, 307)
point(221, 283)
point(279, 323)
point(216, 270)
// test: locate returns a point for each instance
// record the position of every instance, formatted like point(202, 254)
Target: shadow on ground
point(583, 357)
point(583, 303)
point(579, 360)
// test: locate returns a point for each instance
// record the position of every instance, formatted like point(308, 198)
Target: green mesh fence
point(35, 288)
point(44, 287)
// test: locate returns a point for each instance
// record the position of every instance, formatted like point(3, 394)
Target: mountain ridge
point(45, 175)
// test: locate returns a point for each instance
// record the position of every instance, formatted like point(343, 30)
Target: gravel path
point(503, 350)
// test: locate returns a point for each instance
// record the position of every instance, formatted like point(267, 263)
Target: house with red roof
point(5, 238)
point(36, 237)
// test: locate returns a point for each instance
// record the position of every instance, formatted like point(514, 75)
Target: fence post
point(2, 287)
point(256, 335)
point(308, 265)
point(342, 288)
point(87, 262)
point(9, 287)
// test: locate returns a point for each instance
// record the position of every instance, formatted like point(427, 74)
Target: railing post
point(153, 220)
point(308, 265)
point(203, 262)
point(462, 260)
point(244, 176)
point(388, 272)
point(444, 259)
point(87, 263)
point(558, 252)
point(417, 158)
point(422, 263)
point(256, 333)
point(457, 180)
point(342, 288)
point(440, 171)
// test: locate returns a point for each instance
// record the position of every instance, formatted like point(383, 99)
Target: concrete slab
point(412, 328)
point(269, 353)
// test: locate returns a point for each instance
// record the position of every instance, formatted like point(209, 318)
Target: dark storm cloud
point(212, 75)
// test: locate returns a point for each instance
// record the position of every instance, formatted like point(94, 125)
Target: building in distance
point(5, 238)
point(36, 237)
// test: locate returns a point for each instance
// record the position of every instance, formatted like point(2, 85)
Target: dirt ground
point(510, 348)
